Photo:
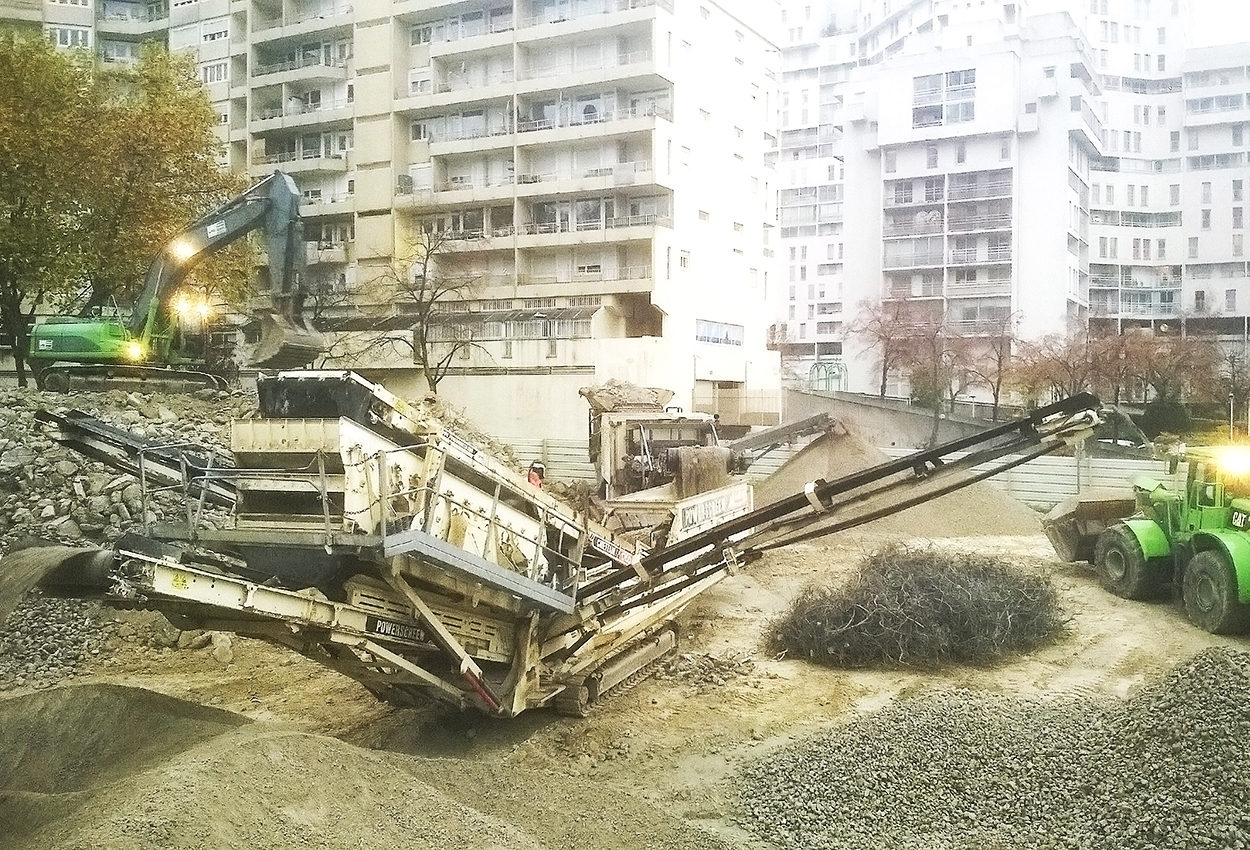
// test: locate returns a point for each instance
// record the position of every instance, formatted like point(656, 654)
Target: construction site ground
point(255, 746)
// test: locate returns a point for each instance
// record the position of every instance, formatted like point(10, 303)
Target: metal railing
point(295, 64)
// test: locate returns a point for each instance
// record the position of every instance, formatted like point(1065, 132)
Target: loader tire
point(1209, 594)
point(1122, 566)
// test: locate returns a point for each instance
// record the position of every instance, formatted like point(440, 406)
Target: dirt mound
point(977, 509)
point(108, 766)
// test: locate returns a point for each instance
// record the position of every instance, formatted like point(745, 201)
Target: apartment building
point(1048, 163)
point(602, 170)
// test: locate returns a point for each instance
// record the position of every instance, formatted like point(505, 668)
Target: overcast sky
point(1221, 22)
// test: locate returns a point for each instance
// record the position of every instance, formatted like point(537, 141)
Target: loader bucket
point(285, 344)
point(1073, 525)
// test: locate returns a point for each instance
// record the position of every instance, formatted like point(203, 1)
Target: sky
point(1221, 22)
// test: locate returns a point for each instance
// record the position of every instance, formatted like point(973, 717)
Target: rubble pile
point(52, 493)
point(951, 769)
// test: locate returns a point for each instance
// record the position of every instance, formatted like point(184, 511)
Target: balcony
point(318, 253)
point(967, 223)
point(303, 163)
point(302, 22)
point(582, 11)
point(973, 191)
point(979, 289)
point(920, 224)
point(310, 67)
point(916, 260)
point(302, 115)
point(625, 279)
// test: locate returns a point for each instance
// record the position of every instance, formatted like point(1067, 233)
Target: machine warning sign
point(392, 629)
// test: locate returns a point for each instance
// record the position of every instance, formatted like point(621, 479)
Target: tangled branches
point(921, 607)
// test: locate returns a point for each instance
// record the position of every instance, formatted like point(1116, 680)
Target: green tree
point(98, 169)
point(45, 129)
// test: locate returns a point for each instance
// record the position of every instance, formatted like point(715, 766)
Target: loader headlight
point(1234, 461)
point(134, 351)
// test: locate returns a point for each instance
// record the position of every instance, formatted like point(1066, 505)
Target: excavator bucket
point(284, 344)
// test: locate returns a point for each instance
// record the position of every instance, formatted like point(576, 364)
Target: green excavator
point(150, 344)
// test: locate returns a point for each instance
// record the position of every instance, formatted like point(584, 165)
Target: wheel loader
point(1191, 533)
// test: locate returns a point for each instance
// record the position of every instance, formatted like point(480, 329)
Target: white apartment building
point(1027, 160)
point(604, 170)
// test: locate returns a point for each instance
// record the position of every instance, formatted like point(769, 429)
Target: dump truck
point(149, 343)
point(1190, 533)
point(367, 535)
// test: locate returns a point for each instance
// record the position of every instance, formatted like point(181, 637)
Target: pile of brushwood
point(918, 606)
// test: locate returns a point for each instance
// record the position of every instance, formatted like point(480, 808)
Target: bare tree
point(423, 308)
point(992, 357)
point(1056, 366)
point(891, 327)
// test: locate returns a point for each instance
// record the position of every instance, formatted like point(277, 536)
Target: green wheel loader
point(1191, 534)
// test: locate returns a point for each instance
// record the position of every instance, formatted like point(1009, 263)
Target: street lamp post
point(1230, 417)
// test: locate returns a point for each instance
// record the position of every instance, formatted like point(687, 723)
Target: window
point(70, 36)
point(1095, 193)
point(1162, 249)
point(721, 333)
point(891, 162)
point(1110, 195)
point(1130, 195)
point(961, 152)
point(215, 72)
point(1175, 140)
point(1193, 140)
point(1236, 190)
point(1174, 194)
point(1162, 113)
point(1115, 247)
point(1206, 192)
point(931, 156)
point(1236, 134)
point(902, 193)
point(1004, 149)
point(1200, 301)
point(1230, 299)
point(1145, 196)
point(684, 260)
point(1193, 247)
point(1237, 245)
point(1237, 218)
point(933, 189)
point(1102, 247)
point(1206, 219)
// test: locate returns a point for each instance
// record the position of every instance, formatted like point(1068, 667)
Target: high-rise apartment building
point(601, 170)
point(1049, 164)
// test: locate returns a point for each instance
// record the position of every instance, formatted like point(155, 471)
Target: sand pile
point(978, 509)
point(107, 766)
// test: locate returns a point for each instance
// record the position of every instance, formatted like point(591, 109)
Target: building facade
point(1017, 162)
point(601, 172)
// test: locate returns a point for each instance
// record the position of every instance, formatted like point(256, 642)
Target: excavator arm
point(273, 204)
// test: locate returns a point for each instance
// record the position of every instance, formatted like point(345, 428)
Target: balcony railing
point(303, 16)
point(647, 220)
point(911, 227)
point(980, 222)
point(631, 58)
point(626, 273)
point(295, 64)
point(577, 11)
point(966, 191)
point(302, 109)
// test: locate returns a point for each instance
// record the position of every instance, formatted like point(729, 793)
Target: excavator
point(148, 345)
point(366, 534)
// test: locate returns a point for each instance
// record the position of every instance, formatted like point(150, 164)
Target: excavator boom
point(146, 344)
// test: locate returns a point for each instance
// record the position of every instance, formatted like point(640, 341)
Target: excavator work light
point(134, 351)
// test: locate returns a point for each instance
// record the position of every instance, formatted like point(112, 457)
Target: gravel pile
point(1167, 768)
point(49, 492)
